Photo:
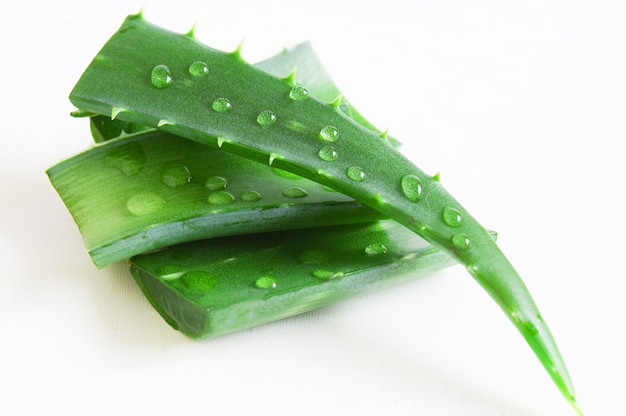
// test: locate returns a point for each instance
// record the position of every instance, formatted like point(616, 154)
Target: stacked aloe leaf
point(262, 243)
point(243, 194)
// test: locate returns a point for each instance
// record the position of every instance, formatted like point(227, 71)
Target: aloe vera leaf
point(319, 84)
point(310, 72)
point(111, 235)
point(142, 75)
point(153, 189)
point(213, 287)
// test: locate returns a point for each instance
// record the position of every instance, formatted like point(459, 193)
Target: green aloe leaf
point(152, 190)
point(213, 287)
point(150, 76)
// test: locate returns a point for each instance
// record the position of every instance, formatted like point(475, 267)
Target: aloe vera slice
point(153, 189)
point(213, 287)
point(142, 75)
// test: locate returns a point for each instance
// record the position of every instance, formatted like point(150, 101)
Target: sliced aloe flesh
point(153, 190)
point(213, 287)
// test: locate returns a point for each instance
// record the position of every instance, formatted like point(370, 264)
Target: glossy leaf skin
point(118, 83)
point(97, 184)
point(213, 287)
point(152, 190)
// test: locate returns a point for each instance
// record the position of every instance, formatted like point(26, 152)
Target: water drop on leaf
point(411, 187)
point(198, 69)
point(266, 117)
point(221, 105)
point(355, 173)
point(161, 76)
point(329, 134)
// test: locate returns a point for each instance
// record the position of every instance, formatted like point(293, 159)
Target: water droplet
point(411, 187)
point(266, 117)
point(298, 93)
point(314, 256)
point(460, 241)
point(144, 204)
point(294, 192)
point(221, 105)
point(250, 196)
point(199, 280)
point(356, 173)
point(215, 183)
point(175, 175)
point(329, 134)
point(221, 198)
point(161, 76)
point(327, 153)
point(326, 274)
point(169, 272)
point(198, 69)
point(376, 248)
point(265, 282)
point(451, 216)
point(128, 159)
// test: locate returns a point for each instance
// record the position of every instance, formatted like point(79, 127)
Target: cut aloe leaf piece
point(213, 287)
point(153, 189)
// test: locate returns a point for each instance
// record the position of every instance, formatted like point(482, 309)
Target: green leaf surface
point(153, 190)
point(213, 287)
point(142, 75)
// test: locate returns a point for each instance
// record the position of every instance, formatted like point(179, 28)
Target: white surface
point(520, 105)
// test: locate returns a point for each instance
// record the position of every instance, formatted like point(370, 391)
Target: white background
point(521, 105)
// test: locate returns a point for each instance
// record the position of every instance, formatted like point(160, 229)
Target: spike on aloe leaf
point(191, 33)
point(139, 14)
point(82, 113)
point(237, 53)
point(291, 77)
point(162, 123)
point(336, 103)
point(385, 135)
point(115, 111)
